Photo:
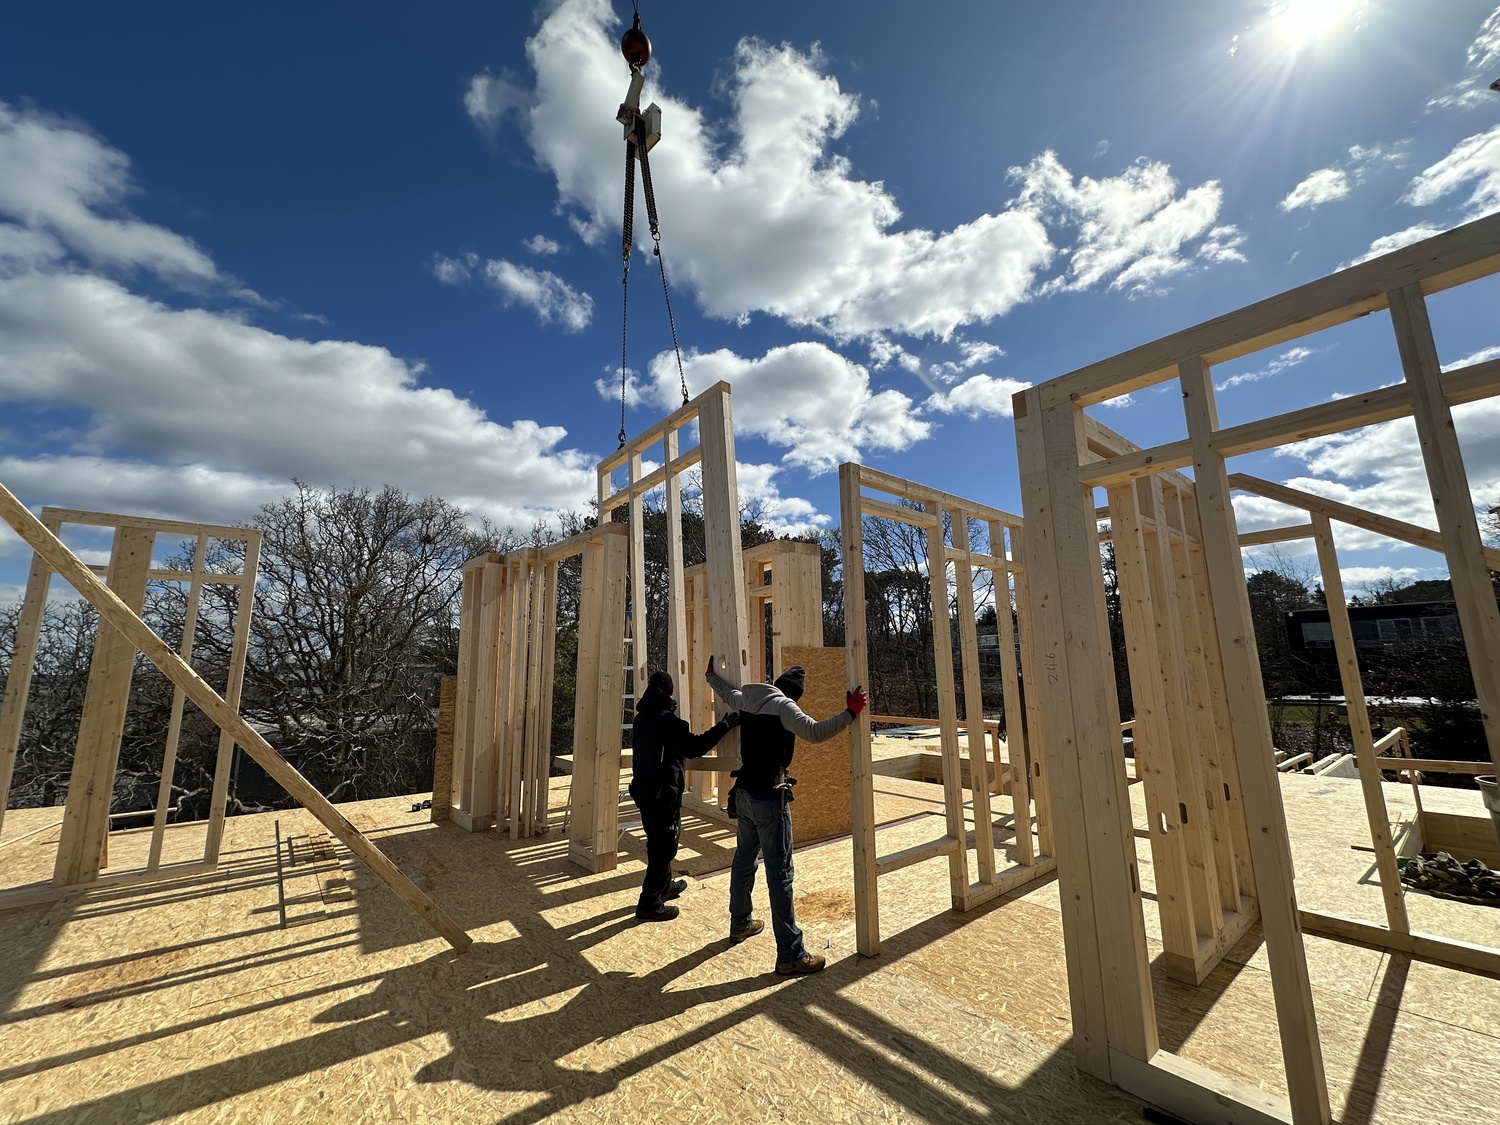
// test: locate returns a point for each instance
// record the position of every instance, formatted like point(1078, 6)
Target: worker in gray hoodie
point(770, 724)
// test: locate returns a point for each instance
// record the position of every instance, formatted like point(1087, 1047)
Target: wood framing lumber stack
point(138, 633)
point(1184, 755)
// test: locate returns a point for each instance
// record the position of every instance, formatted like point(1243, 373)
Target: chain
point(661, 263)
point(627, 237)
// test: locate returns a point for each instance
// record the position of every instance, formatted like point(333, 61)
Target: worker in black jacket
point(659, 741)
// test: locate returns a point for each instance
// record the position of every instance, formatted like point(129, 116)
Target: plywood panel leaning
point(442, 758)
point(821, 809)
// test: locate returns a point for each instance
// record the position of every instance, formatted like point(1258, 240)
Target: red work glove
point(856, 701)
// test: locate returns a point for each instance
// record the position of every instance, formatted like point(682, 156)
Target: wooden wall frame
point(1397, 934)
point(1026, 776)
point(82, 853)
point(502, 723)
point(727, 633)
point(507, 640)
point(129, 625)
point(1184, 755)
point(1114, 1019)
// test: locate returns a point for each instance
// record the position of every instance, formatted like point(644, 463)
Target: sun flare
point(1302, 22)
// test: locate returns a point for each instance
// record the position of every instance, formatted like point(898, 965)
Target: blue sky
point(363, 244)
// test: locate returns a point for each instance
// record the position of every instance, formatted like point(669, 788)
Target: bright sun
point(1301, 22)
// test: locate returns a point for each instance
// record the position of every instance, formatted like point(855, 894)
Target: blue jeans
point(765, 826)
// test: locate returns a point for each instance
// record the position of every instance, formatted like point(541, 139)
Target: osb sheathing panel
point(442, 759)
point(821, 809)
point(190, 1003)
point(28, 849)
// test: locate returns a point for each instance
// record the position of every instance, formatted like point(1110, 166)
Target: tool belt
point(782, 789)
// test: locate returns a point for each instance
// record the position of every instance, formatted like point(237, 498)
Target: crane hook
point(635, 46)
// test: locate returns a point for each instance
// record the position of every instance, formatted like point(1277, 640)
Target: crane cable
point(636, 148)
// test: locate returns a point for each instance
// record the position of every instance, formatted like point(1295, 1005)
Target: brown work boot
point(807, 963)
point(755, 927)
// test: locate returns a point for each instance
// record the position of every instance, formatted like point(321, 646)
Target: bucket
point(1489, 789)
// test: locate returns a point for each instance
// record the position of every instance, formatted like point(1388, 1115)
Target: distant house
point(1375, 626)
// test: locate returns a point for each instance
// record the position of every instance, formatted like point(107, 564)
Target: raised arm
point(805, 727)
point(727, 692)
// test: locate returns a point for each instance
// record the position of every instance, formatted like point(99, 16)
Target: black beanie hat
point(791, 682)
point(658, 695)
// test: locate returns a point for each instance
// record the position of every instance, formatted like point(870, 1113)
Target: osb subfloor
point(190, 1002)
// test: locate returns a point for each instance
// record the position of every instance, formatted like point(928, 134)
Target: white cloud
point(1222, 244)
point(1289, 358)
point(804, 396)
point(1484, 52)
point(1363, 159)
point(885, 351)
point(1473, 158)
point(134, 405)
point(761, 213)
point(1333, 183)
point(1482, 56)
point(971, 355)
point(1380, 467)
point(542, 291)
point(1483, 355)
point(65, 189)
point(453, 271)
point(1133, 230)
point(1469, 94)
point(492, 98)
point(976, 352)
point(977, 397)
point(229, 408)
point(541, 245)
point(1364, 577)
point(1388, 242)
point(782, 515)
point(1323, 186)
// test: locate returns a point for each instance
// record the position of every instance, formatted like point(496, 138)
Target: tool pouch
point(730, 801)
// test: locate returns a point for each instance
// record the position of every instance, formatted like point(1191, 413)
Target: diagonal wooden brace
point(50, 548)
